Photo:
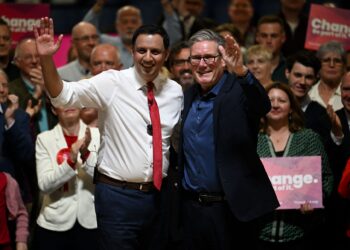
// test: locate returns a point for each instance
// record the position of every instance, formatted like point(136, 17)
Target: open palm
point(44, 36)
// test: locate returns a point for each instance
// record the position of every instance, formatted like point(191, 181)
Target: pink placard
point(22, 18)
point(326, 24)
point(296, 180)
point(61, 56)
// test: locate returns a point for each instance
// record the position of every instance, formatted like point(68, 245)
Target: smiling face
point(207, 74)
point(301, 78)
point(260, 67)
point(280, 106)
point(149, 55)
point(67, 115)
point(240, 11)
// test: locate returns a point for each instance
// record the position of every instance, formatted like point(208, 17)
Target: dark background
point(66, 16)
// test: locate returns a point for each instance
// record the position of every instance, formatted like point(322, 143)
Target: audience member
point(128, 19)
point(179, 64)
point(283, 135)
point(271, 34)
point(65, 160)
point(333, 60)
point(338, 222)
point(258, 60)
point(128, 180)
point(301, 72)
point(182, 18)
point(295, 25)
point(241, 13)
point(72, 54)
point(103, 57)
point(6, 53)
point(29, 87)
point(217, 212)
point(84, 39)
point(12, 209)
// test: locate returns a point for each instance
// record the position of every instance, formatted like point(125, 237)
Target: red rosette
point(63, 155)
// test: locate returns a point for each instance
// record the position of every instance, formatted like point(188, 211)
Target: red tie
point(157, 137)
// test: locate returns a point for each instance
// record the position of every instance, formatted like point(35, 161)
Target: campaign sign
point(326, 24)
point(22, 18)
point(296, 180)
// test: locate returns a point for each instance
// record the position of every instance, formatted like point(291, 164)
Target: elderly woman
point(283, 135)
point(65, 161)
point(258, 61)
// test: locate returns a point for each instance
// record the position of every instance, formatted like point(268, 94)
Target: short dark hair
point(306, 58)
point(175, 50)
point(151, 29)
point(296, 121)
point(268, 19)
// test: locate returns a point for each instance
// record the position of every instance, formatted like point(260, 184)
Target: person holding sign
point(283, 134)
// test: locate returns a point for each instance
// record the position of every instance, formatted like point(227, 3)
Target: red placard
point(22, 18)
point(326, 24)
point(295, 180)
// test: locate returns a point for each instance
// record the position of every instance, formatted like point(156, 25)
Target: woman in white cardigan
point(65, 161)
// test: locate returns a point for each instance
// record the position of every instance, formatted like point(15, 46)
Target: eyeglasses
point(208, 59)
point(87, 38)
point(181, 62)
point(335, 61)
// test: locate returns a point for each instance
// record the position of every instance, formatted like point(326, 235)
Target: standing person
point(333, 66)
point(128, 18)
point(258, 60)
point(339, 208)
point(84, 39)
point(65, 159)
point(282, 135)
point(179, 64)
point(301, 72)
point(103, 57)
point(6, 53)
point(270, 34)
point(134, 151)
point(224, 191)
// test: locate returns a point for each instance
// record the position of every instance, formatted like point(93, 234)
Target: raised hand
point(11, 108)
point(335, 121)
point(232, 56)
point(44, 36)
point(33, 110)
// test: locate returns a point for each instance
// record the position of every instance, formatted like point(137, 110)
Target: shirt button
point(176, 185)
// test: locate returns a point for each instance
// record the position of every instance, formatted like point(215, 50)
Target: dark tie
point(157, 137)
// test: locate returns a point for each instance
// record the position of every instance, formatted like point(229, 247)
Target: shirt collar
point(158, 82)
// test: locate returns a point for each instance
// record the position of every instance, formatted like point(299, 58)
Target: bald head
point(103, 57)
point(84, 38)
point(128, 19)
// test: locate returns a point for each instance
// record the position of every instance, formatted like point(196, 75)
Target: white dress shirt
point(126, 151)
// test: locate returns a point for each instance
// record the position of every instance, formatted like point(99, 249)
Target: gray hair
point(206, 35)
point(332, 46)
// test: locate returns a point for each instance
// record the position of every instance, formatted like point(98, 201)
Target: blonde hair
point(258, 50)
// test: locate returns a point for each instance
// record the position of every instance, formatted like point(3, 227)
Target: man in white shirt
point(127, 204)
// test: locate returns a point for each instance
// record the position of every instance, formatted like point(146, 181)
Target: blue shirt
point(200, 173)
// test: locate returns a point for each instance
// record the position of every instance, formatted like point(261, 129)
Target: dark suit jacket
point(236, 114)
point(317, 119)
point(19, 88)
point(16, 142)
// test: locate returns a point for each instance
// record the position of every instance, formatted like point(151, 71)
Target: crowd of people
point(153, 139)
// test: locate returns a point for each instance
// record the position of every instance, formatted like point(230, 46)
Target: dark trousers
point(212, 226)
point(127, 219)
point(73, 239)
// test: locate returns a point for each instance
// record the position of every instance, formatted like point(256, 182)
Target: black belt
point(205, 198)
point(144, 187)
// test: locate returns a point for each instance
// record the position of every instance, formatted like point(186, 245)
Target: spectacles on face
point(87, 38)
point(208, 59)
point(181, 62)
point(329, 60)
